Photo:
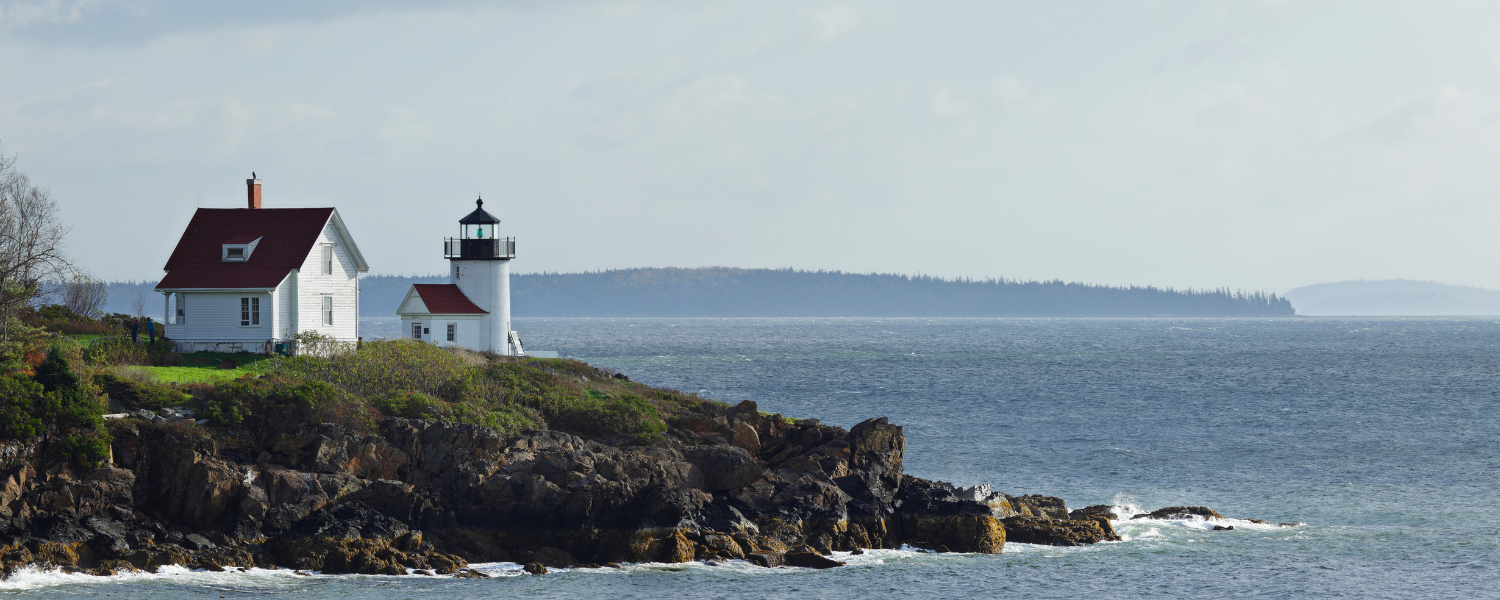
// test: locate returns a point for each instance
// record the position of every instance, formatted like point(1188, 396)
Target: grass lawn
point(203, 367)
point(191, 374)
point(88, 338)
point(81, 341)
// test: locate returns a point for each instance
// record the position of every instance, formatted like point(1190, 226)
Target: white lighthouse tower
point(473, 309)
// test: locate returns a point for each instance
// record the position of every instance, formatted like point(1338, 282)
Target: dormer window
point(238, 249)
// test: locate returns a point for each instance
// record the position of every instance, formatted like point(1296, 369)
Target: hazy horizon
point(1248, 145)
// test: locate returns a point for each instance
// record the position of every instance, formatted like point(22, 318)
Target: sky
point(1258, 145)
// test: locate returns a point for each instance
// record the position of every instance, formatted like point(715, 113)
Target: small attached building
point(441, 314)
point(248, 279)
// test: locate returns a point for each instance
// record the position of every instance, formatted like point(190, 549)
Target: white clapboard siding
point(469, 329)
point(286, 304)
point(216, 316)
point(342, 285)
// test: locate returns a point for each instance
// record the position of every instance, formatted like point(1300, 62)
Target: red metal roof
point(446, 299)
point(287, 237)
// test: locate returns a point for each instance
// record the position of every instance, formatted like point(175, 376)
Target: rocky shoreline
point(430, 497)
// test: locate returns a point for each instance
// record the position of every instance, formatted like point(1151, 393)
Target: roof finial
point(480, 201)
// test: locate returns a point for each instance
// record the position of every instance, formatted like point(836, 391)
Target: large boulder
point(1054, 532)
point(979, 533)
point(1037, 505)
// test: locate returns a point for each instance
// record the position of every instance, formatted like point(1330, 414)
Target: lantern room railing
point(481, 249)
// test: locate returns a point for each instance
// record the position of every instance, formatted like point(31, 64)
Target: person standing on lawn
point(135, 331)
point(151, 330)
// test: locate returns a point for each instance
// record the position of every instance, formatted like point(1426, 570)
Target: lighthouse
point(473, 309)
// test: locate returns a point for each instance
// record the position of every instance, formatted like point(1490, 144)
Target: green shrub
point(131, 394)
point(412, 405)
point(55, 399)
point(121, 351)
point(61, 319)
point(162, 354)
point(54, 373)
point(281, 404)
point(87, 449)
point(116, 351)
point(382, 367)
point(625, 414)
point(19, 400)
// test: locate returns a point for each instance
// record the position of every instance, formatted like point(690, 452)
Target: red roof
point(287, 237)
point(446, 299)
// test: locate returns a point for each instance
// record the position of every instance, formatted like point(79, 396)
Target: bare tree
point(85, 295)
point(31, 243)
point(138, 306)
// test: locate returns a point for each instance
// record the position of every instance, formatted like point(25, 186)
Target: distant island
point(1393, 297)
point(732, 292)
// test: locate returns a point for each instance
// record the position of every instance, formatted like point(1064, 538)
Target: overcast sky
point(1254, 145)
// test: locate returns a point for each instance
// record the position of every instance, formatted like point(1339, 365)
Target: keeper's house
point(248, 279)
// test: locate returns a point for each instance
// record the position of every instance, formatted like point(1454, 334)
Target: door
point(416, 331)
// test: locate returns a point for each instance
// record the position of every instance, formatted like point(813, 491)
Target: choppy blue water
point(1377, 435)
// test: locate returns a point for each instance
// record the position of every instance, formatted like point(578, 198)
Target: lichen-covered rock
point(980, 533)
point(766, 559)
point(1037, 505)
point(1055, 532)
point(1097, 510)
point(661, 545)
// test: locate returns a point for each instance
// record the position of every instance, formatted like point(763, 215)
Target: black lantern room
point(479, 238)
point(479, 225)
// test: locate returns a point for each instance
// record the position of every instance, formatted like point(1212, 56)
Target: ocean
point(1376, 436)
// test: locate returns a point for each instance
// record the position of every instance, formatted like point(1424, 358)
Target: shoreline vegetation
point(732, 292)
point(399, 458)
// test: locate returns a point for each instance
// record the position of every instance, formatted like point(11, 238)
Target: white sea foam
point(35, 578)
point(1125, 506)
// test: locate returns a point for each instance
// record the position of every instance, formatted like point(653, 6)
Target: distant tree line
point(731, 292)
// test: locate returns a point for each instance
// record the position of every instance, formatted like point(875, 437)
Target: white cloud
point(833, 22)
point(1009, 88)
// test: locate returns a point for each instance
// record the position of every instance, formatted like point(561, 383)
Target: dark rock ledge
point(434, 496)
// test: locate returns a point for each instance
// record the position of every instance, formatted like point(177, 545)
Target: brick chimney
point(254, 184)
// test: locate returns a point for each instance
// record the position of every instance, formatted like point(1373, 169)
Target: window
point(452, 331)
point(181, 308)
point(249, 312)
point(238, 250)
point(327, 259)
point(416, 331)
point(327, 310)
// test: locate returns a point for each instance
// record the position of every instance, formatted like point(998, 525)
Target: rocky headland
point(432, 496)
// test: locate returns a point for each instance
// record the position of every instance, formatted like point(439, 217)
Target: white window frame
point(327, 259)
point(452, 333)
point(327, 311)
point(416, 331)
point(249, 311)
